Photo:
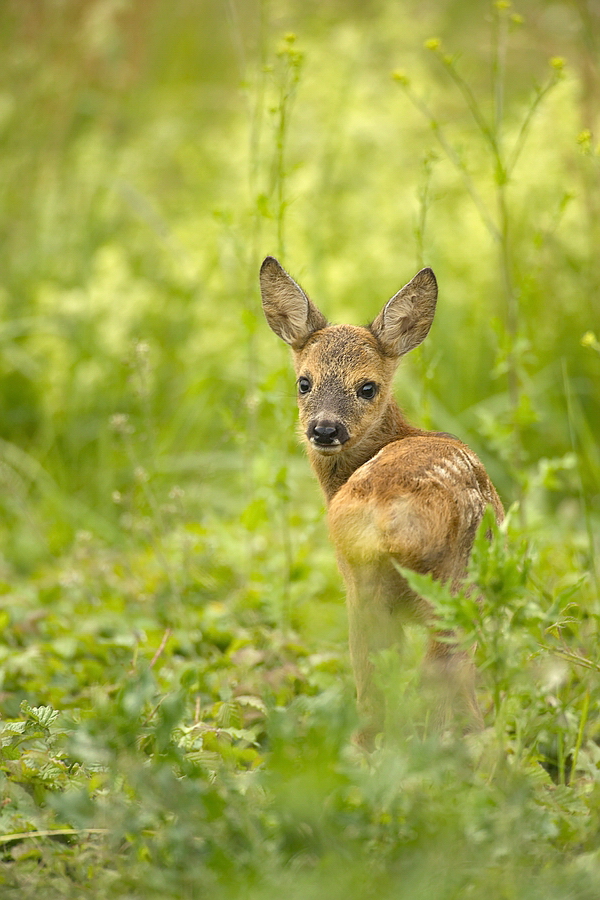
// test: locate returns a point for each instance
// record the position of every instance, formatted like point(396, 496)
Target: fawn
point(396, 495)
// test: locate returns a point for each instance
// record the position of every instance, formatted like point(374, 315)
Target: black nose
point(326, 433)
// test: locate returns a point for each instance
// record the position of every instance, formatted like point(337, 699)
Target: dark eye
point(368, 390)
point(304, 385)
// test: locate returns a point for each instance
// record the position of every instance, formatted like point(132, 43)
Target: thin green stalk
point(50, 832)
point(291, 61)
point(248, 252)
point(289, 76)
point(420, 227)
point(288, 551)
point(589, 527)
point(498, 70)
point(521, 138)
point(424, 200)
point(122, 427)
point(454, 158)
point(284, 74)
point(582, 723)
point(505, 264)
point(472, 105)
point(560, 742)
point(575, 658)
point(505, 261)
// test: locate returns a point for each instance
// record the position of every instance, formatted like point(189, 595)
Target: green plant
point(503, 149)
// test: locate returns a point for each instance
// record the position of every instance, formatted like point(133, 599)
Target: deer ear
point(288, 310)
point(405, 320)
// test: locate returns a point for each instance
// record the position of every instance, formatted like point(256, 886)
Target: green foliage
point(175, 698)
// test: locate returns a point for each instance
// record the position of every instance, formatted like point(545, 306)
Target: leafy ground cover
point(176, 704)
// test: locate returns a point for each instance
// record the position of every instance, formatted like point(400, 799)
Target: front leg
point(372, 626)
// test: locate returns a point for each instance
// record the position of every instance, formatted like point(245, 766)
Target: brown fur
point(396, 494)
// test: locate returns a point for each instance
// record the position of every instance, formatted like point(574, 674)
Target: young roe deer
point(396, 495)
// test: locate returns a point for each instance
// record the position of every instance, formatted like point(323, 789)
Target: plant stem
point(290, 66)
point(580, 731)
point(589, 526)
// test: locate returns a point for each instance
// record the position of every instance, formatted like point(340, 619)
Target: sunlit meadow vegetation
point(176, 703)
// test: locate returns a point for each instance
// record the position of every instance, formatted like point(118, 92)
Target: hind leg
point(451, 674)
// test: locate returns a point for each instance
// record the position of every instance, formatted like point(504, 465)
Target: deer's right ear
point(288, 310)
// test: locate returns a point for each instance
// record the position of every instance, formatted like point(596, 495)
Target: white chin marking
point(326, 449)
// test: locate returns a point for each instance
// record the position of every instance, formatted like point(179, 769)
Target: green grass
point(175, 696)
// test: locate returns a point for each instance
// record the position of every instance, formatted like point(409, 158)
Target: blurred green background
point(153, 153)
point(156, 507)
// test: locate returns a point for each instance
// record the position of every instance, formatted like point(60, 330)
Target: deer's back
point(419, 500)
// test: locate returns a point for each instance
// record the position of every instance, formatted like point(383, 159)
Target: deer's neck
point(334, 471)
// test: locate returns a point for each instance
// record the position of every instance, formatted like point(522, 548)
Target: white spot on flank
point(456, 470)
point(468, 458)
point(442, 472)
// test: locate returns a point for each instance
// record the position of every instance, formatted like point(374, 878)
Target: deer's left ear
point(405, 320)
point(288, 310)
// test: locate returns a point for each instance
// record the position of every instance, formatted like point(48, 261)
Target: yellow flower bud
point(400, 77)
point(589, 339)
